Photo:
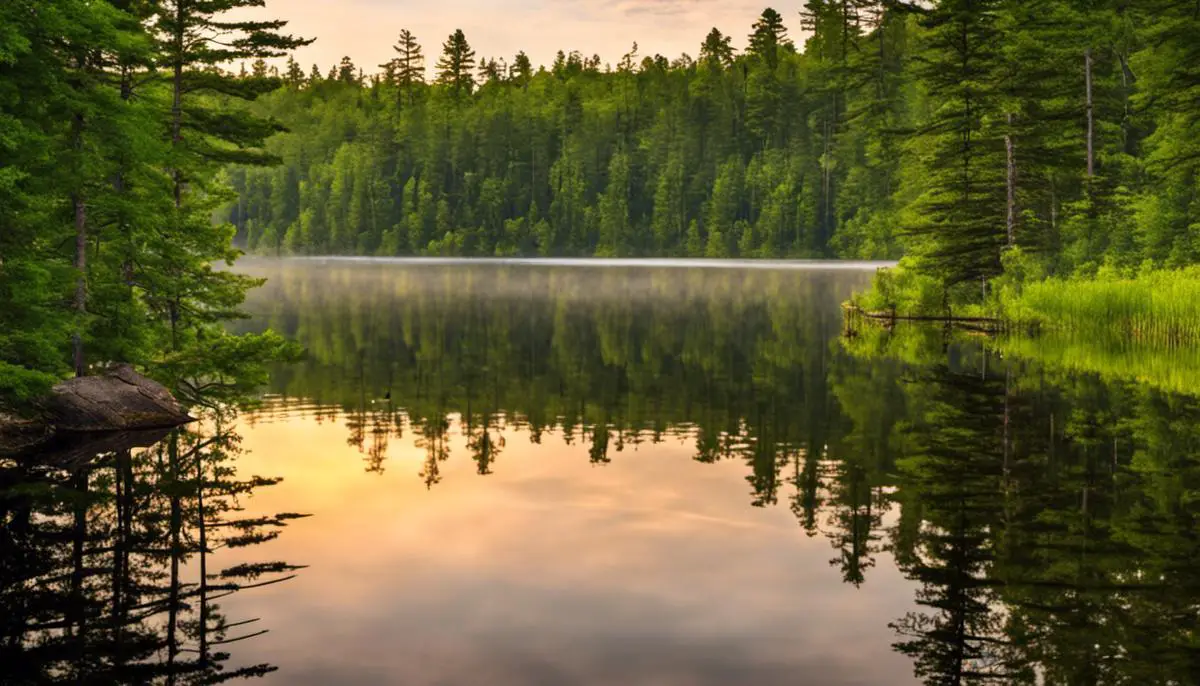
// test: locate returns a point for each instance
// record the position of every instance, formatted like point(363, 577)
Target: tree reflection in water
point(1047, 514)
point(112, 559)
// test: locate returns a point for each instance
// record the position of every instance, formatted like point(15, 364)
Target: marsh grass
point(1160, 307)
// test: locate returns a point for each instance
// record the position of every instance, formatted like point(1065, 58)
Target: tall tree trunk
point(177, 98)
point(77, 613)
point(122, 540)
point(80, 206)
point(1091, 122)
point(203, 544)
point(1010, 150)
point(174, 602)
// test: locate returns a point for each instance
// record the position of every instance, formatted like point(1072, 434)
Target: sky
point(365, 30)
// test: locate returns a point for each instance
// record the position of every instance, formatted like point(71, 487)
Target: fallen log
point(977, 323)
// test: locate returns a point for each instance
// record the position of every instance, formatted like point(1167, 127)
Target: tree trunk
point(177, 98)
point(80, 280)
point(1091, 123)
point(203, 544)
point(173, 591)
point(1010, 149)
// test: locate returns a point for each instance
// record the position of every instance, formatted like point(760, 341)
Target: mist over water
point(678, 474)
point(617, 263)
point(545, 474)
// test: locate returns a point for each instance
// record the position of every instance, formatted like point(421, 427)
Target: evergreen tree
point(769, 38)
point(294, 76)
point(522, 69)
point(347, 72)
point(964, 204)
point(184, 289)
point(717, 50)
point(456, 66)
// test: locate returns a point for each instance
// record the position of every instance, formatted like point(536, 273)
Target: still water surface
point(530, 474)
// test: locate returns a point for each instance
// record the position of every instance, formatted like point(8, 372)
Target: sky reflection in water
point(522, 474)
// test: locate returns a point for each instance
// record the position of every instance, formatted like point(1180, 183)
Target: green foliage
point(614, 160)
point(903, 290)
point(116, 122)
point(1172, 369)
point(991, 143)
point(1155, 306)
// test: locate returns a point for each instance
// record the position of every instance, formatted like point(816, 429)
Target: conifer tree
point(189, 295)
point(294, 76)
point(717, 50)
point(457, 64)
point(521, 70)
point(769, 38)
point(347, 73)
point(964, 204)
point(410, 61)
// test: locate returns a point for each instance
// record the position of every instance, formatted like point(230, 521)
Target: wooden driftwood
point(986, 324)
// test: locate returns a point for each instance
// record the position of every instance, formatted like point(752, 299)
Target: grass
point(1161, 307)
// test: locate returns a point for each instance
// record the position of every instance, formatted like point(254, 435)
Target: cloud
point(656, 7)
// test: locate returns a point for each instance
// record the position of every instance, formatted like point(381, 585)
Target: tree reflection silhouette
point(110, 570)
point(1047, 517)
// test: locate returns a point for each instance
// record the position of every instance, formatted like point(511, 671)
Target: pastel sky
point(366, 29)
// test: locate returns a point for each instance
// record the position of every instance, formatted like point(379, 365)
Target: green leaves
point(114, 124)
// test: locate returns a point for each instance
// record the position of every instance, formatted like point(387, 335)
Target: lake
point(598, 473)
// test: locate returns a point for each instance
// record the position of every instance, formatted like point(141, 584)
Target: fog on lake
point(548, 473)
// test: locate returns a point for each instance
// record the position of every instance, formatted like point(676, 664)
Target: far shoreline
point(596, 262)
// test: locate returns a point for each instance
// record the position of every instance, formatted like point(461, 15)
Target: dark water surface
point(526, 474)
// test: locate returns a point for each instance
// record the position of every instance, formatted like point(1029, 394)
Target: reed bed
point(1159, 307)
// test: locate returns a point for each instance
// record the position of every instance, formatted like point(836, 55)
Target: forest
point(115, 124)
point(990, 144)
point(976, 138)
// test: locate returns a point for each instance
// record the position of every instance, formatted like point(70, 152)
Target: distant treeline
point(949, 132)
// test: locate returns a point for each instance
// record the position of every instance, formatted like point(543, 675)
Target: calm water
point(524, 474)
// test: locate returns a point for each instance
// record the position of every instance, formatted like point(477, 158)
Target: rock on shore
point(119, 400)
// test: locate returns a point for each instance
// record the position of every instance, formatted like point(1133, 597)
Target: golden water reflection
point(648, 570)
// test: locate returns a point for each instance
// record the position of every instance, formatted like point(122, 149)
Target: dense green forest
point(976, 137)
point(115, 123)
point(990, 143)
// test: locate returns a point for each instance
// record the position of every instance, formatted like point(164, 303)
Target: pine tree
point(457, 64)
point(294, 76)
point(717, 51)
point(489, 70)
point(191, 296)
point(964, 207)
point(769, 38)
point(521, 71)
point(348, 73)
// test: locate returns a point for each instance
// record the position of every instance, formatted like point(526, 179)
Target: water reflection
point(987, 519)
point(116, 553)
